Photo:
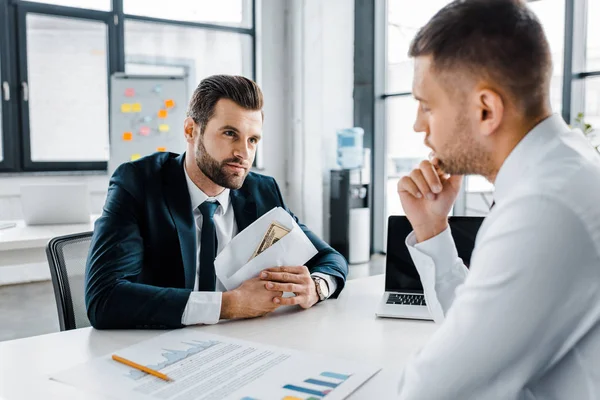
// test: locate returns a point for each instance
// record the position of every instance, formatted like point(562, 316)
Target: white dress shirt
point(205, 307)
point(524, 323)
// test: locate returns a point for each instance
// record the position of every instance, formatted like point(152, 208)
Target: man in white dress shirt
point(524, 322)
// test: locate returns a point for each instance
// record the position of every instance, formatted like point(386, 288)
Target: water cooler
point(350, 216)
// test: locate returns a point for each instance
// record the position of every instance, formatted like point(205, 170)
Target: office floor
point(30, 309)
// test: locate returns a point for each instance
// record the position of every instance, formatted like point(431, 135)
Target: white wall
point(322, 65)
point(273, 77)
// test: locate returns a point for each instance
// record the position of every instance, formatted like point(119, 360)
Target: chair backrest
point(67, 257)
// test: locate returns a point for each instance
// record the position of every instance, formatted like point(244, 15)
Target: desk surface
point(346, 328)
point(27, 237)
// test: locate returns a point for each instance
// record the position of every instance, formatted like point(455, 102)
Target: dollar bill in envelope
point(273, 235)
point(273, 240)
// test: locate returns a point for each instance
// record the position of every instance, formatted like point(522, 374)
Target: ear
point(189, 129)
point(491, 111)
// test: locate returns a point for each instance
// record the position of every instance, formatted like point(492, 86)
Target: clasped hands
point(259, 296)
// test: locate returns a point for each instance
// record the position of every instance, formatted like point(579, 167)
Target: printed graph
point(321, 386)
point(311, 388)
point(174, 356)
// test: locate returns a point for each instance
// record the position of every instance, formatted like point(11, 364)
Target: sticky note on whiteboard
point(127, 136)
point(135, 156)
point(169, 103)
point(161, 149)
point(162, 114)
point(144, 131)
point(129, 92)
point(163, 128)
point(125, 108)
point(136, 107)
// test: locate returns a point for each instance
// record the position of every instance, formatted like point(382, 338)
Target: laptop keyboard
point(406, 299)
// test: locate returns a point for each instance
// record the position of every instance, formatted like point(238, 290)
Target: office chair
point(67, 257)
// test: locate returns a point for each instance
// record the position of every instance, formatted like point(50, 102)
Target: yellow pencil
point(141, 368)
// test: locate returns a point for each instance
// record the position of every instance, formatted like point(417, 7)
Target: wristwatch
point(322, 288)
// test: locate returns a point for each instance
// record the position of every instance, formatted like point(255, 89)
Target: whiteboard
point(147, 114)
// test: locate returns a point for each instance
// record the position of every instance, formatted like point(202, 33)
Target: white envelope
point(232, 266)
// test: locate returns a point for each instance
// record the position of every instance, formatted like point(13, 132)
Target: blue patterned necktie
point(208, 247)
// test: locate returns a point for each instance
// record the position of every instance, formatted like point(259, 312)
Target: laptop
point(403, 297)
point(50, 204)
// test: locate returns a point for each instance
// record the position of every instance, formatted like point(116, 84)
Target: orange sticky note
point(161, 149)
point(162, 114)
point(127, 136)
point(163, 128)
point(144, 131)
point(169, 103)
point(136, 107)
point(125, 108)
point(135, 157)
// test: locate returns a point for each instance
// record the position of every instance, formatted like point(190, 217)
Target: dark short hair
point(501, 40)
point(243, 91)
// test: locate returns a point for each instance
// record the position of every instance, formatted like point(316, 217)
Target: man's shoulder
point(147, 166)
point(255, 179)
point(155, 162)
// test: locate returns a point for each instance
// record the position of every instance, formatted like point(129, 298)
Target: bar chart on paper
point(315, 388)
point(173, 356)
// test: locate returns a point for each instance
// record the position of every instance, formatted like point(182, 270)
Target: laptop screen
point(400, 272)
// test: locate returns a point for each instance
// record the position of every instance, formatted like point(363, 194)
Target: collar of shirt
point(527, 153)
point(197, 196)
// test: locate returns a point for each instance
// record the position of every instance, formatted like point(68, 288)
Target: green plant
point(587, 130)
point(585, 127)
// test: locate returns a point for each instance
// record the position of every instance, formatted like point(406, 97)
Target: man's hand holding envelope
point(262, 262)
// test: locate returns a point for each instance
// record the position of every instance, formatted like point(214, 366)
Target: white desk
point(346, 327)
point(25, 247)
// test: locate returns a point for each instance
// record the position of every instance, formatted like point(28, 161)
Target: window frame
point(9, 141)
point(16, 133)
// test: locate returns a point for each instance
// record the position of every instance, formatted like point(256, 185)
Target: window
point(68, 88)
point(102, 5)
point(222, 12)
point(405, 148)
point(591, 87)
point(593, 36)
point(592, 103)
point(551, 14)
point(5, 90)
point(405, 18)
point(56, 58)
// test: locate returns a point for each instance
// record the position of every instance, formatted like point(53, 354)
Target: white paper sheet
point(294, 249)
point(212, 367)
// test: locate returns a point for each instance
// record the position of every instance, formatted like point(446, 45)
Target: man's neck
point(510, 136)
point(202, 181)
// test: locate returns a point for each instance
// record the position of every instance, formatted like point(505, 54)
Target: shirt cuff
point(331, 283)
point(440, 249)
point(202, 308)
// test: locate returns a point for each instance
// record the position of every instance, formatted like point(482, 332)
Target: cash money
point(272, 236)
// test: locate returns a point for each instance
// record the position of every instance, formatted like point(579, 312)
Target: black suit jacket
point(142, 261)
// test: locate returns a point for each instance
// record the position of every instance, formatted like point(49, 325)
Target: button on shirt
point(205, 307)
point(524, 322)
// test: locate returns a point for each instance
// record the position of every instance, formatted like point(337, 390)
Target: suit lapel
point(180, 207)
point(244, 208)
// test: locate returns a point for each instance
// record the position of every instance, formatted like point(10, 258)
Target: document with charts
point(211, 367)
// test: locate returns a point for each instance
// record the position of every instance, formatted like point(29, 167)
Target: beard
point(463, 155)
point(216, 171)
